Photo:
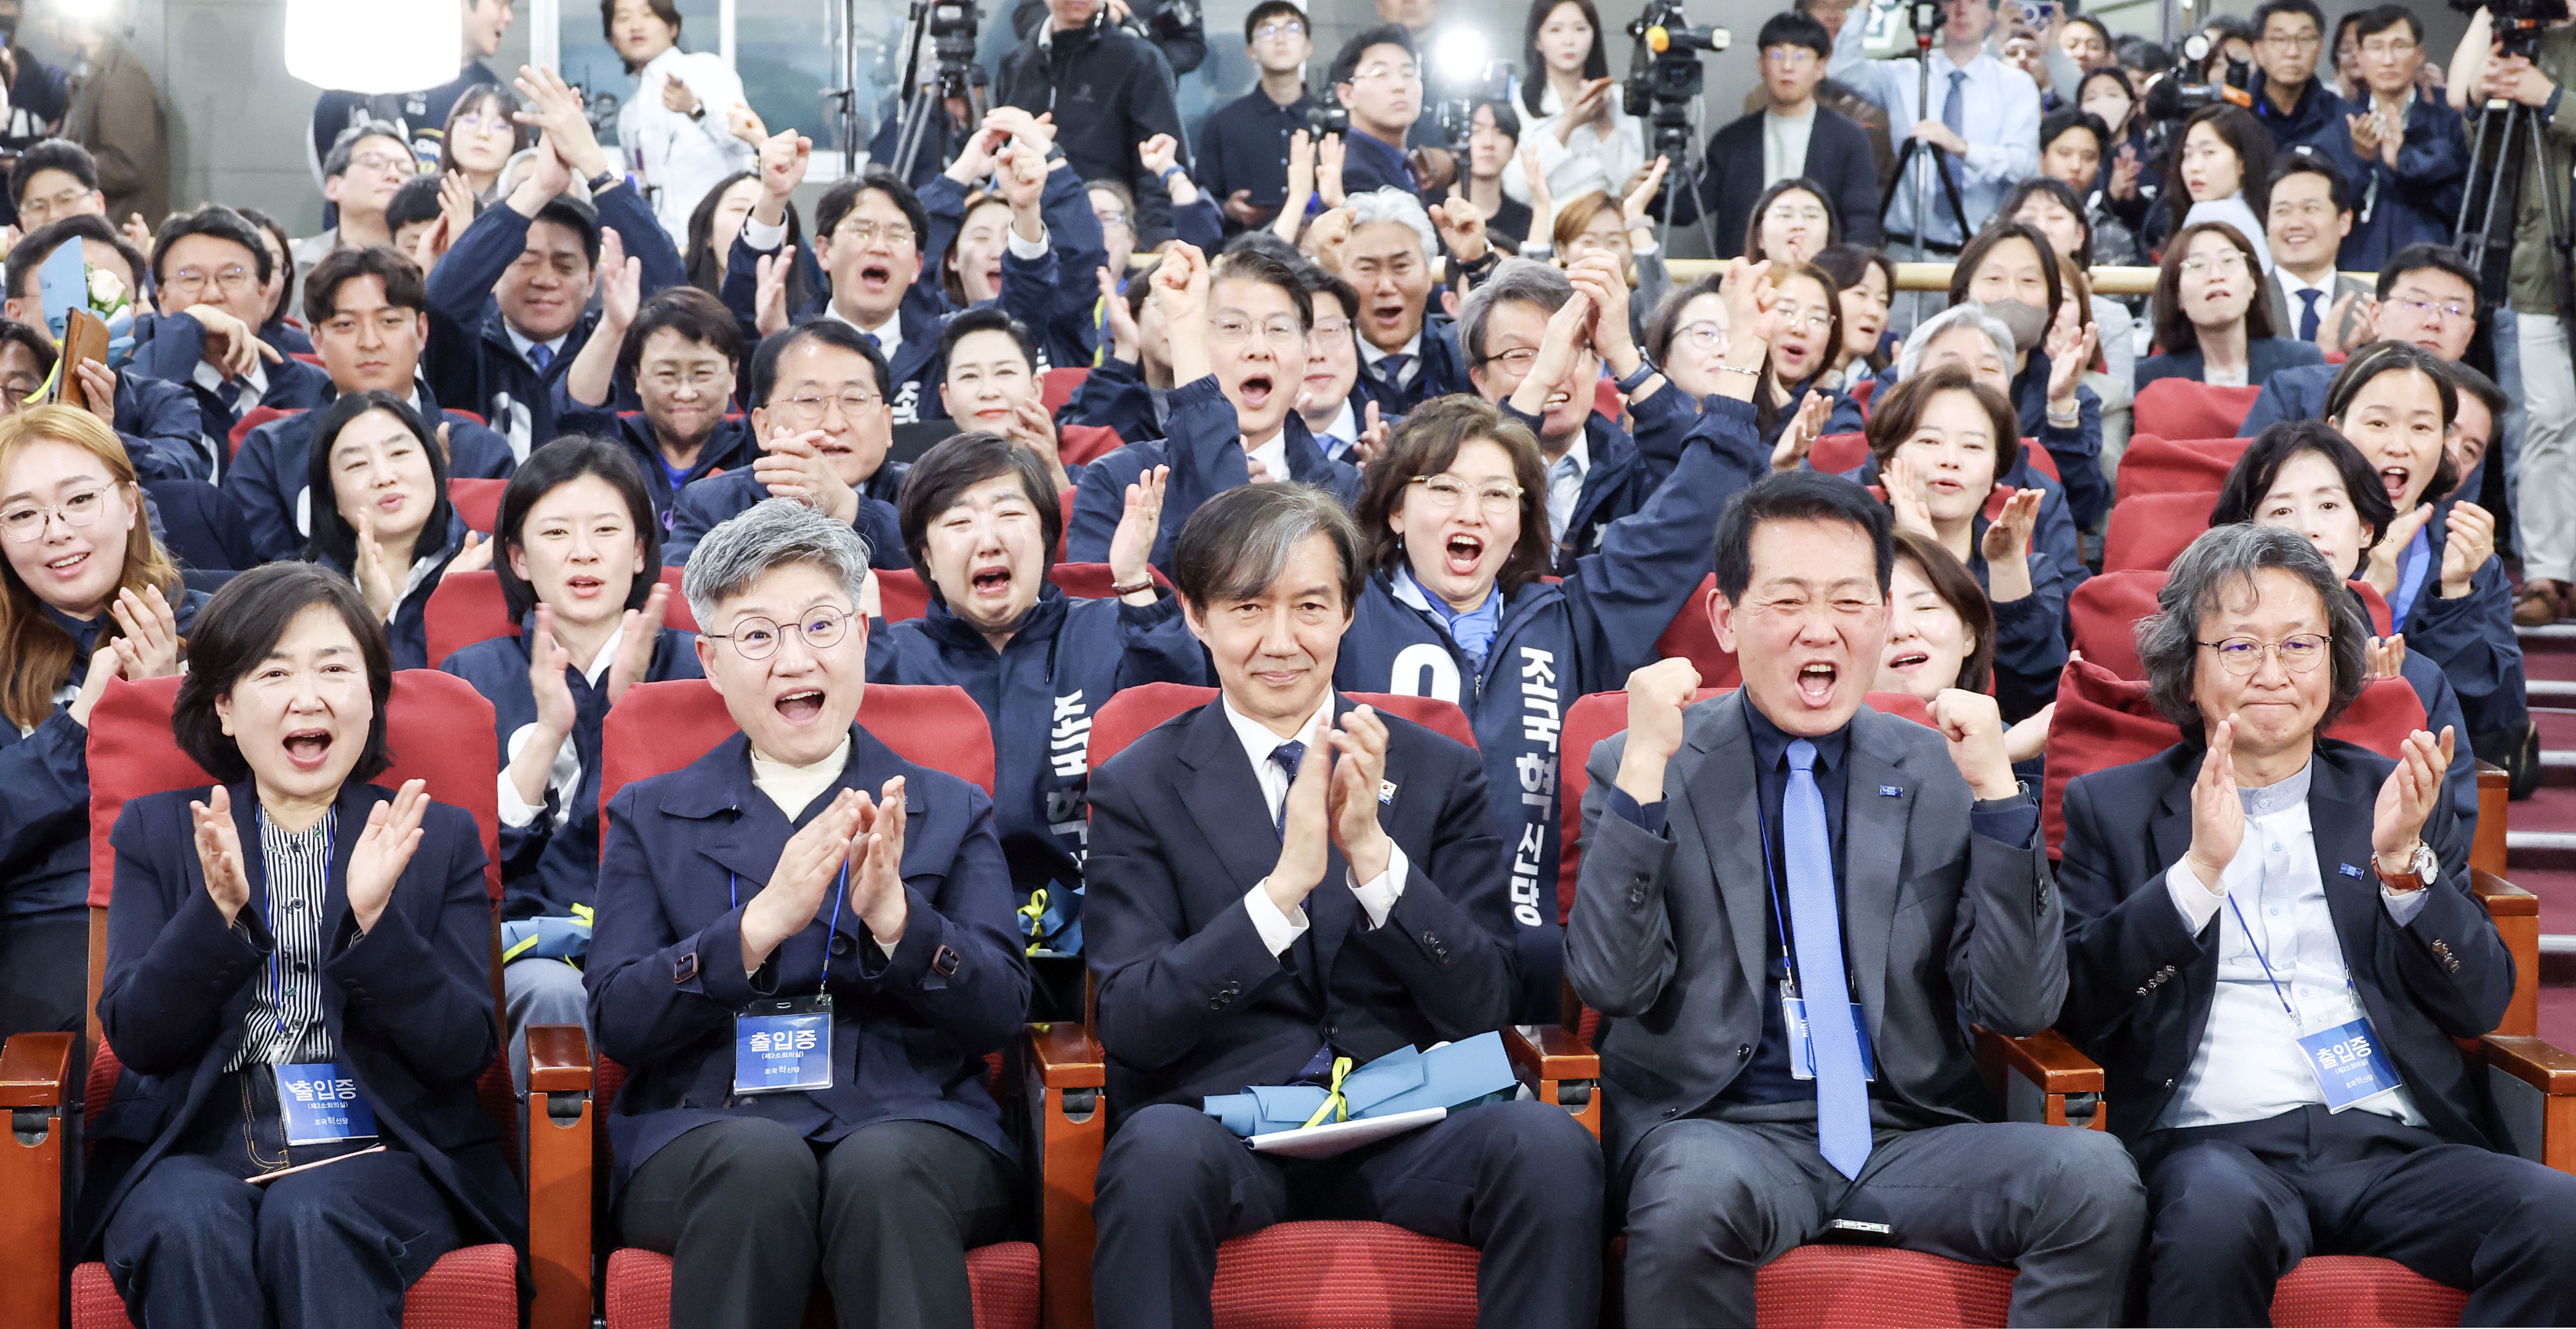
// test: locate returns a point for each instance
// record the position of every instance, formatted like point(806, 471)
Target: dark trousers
point(2236, 1206)
point(1710, 1202)
point(44, 972)
point(194, 1244)
point(1520, 1182)
point(749, 1210)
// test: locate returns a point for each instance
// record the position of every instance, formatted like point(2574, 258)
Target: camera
point(2175, 96)
point(1664, 74)
point(952, 32)
point(2518, 23)
point(1489, 81)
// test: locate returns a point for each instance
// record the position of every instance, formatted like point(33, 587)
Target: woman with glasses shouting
point(2210, 318)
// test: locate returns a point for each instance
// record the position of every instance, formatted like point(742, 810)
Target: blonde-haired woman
point(86, 595)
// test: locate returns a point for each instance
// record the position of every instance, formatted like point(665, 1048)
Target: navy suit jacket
point(1191, 1002)
point(909, 1029)
point(1443, 371)
point(2297, 393)
point(1839, 157)
point(2140, 987)
point(1205, 452)
point(408, 1003)
point(2264, 357)
point(178, 344)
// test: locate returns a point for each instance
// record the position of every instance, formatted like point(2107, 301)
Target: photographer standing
point(2545, 491)
point(1109, 91)
point(1983, 116)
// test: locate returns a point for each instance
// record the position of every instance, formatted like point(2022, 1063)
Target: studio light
point(373, 46)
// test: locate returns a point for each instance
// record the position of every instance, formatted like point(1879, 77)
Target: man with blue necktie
point(1981, 124)
point(1790, 910)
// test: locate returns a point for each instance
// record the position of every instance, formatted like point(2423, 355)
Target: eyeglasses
point(1110, 218)
point(895, 233)
point(812, 407)
point(1282, 28)
point(478, 123)
point(2302, 41)
point(1328, 328)
point(1234, 330)
point(2221, 266)
point(1704, 337)
point(233, 280)
point(26, 522)
point(757, 638)
point(1797, 316)
point(2390, 50)
point(381, 163)
point(40, 210)
point(1516, 360)
point(2299, 654)
point(1400, 73)
point(701, 377)
point(1445, 492)
point(2429, 309)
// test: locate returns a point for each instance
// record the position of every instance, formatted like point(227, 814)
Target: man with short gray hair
point(1407, 354)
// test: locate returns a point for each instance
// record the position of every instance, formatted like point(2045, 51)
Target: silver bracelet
point(1738, 369)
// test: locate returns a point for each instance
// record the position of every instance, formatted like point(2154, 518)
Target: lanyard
point(1771, 880)
point(2263, 960)
point(841, 891)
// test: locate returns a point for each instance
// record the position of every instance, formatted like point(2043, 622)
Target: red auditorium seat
point(2105, 610)
point(1057, 386)
point(1861, 392)
point(1091, 581)
point(2183, 408)
point(659, 727)
point(254, 418)
point(440, 731)
point(2041, 459)
point(1836, 453)
point(477, 501)
point(468, 607)
point(2149, 530)
point(1693, 638)
point(1606, 401)
point(2165, 464)
point(1077, 444)
point(902, 594)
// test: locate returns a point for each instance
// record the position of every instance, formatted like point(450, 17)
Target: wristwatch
point(1646, 369)
point(2421, 869)
point(603, 180)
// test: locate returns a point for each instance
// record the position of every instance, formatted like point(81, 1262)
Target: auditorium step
point(2541, 840)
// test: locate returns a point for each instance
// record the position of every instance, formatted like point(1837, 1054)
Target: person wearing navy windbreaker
point(157, 420)
point(2414, 149)
point(1077, 248)
point(381, 516)
point(210, 272)
point(580, 559)
point(676, 357)
point(509, 303)
point(1456, 605)
point(981, 521)
point(1238, 344)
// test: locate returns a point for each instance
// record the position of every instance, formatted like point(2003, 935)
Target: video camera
point(1665, 78)
point(1466, 89)
point(2518, 23)
point(2176, 96)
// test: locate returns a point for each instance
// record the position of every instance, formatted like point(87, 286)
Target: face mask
point(2029, 322)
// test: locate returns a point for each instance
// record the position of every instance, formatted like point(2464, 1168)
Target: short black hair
point(958, 463)
point(840, 198)
point(2240, 499)
point(665, 10)
point(2059, 192)
point(415, 200)
point(404, 286)
point(2065, 118)
point(2270, 9)
point(690, 312)
point(987, 318)
point(1794, 27)
point(216, 222)
point(53, 154)
point(2096, 25)
point(1269, 8)
point(1253, 265)
point(238, 628)
point(1235, 546)
point(2369, 23)
point(1797, 496)
point(830, 332)
point(1269, 242)
point(39, 244)
point(575, 216)
point(2467, 378)
point(332, 536)
point(284, 253)
point(2439, 258)
point(565, 458)
point(2305, 160)
point(706, 266)
point(335, 163)
point(1346, 62)
point(2136, 52)
point(37, 343)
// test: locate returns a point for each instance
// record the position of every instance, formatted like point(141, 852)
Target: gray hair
point(1929, 330)
point(1526, 280)
point(1239, 542)
point(2211, 572)
point(1386, 203)
point(771, 534)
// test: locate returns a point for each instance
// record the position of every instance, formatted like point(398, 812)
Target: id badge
point(2348, 1064)
point(783, 1044)
point(1802, 1046)
point(318, 1102)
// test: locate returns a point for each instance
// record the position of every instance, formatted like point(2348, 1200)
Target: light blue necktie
point(1842, 1098)
point(540, 355)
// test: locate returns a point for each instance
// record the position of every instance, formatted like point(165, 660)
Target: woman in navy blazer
point(377, 482)
point(233, 949)
point(2211, 318)
point(802, 859)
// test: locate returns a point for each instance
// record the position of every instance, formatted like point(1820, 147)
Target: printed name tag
point(2348, 1064)
point(783, 1044)
point(319, 1103)
point(1802, 1046)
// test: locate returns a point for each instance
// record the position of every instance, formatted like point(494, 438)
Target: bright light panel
point(373, 46)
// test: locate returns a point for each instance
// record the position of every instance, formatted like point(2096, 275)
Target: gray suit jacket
point(1941, 927)
point(2285, 320)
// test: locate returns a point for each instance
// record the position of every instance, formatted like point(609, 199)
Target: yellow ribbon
point(579, 911)
point(1035, 912)
point(1338, 1107)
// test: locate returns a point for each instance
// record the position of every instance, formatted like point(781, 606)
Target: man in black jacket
point(1225, 960)
point(1109, 92)
point(1794, 137)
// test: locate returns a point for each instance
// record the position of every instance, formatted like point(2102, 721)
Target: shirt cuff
point(515, 812)
point(2403, 906)
point(2196, 903)
point(762, 237)
point(1378, 894)
point(1029, 251)
point(2011, 820)
point(1278, 931)
point(1647, 817)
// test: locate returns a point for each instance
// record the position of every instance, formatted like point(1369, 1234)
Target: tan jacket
point(2527, 284)
point(116, 114)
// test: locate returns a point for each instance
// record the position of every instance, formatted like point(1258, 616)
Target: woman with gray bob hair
point(771, 534)
point(2219, 569)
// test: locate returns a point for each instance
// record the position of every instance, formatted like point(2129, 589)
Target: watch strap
point(1646, 369)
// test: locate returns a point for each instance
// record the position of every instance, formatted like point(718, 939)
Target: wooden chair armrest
point(2495, 787)
point(2533, 1061)
point(1065, 1074)
point(2517, 918)
point(34, 1068)
point(558, 1059)
point(1064, 1055)
point(1551, 1052)
point(562, 1127)
point(2502, 898)
point(2043, 1078)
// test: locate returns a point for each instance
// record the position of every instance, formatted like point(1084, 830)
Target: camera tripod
point(2493, 198)
point(1926, 23)
point(951, 27)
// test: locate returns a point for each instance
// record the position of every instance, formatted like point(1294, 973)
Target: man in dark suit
point(1746, 850)
point(1793, 137)
point(2247, 904)
point(210, 272)
point(1377, 919)
point(2427, 294)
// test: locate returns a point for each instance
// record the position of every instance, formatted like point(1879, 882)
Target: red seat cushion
point(1691, 637)
point(478, 502)
point(2185, 408)
point(1130, 712)
point(1004, 1277)
point(473, 1287)
point(2041, 459)
point(2328, 1290)
point(2105, 611)
point(2163, 464)
point(1441, 717)
point(2102, 721)
point(1836, 453)
point(468, 607)
point(253, 419)
point(1344, 1274)
point(2151, 530)
point(1075, 444)
point(659, 727)
point(1852, 1287)
point(1606, 401)
point(1861, 392)
point(1057, 386)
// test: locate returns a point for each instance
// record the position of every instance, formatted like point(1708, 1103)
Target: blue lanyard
point(1771, 882)
point(840, 892)
point(2261, 959)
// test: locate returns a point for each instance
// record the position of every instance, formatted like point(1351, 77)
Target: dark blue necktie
point(1842, 1099)
point(1390, 370)
point(229, 392)
point(540, 355)
point(2308, 314)
point(873, 341)
point(1286, 756)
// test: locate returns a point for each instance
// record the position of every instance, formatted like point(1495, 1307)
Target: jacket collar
point(1224, 800)
point(945, 627)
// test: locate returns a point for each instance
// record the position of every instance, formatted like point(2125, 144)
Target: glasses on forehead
point(757, 638)
point(1445, 492)
point(2225, 264)
point(2299, 654)
point(863, 230)
point(1279, 28)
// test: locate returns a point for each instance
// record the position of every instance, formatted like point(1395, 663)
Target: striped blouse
point(284, 1025)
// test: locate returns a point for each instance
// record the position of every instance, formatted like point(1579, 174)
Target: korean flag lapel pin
point(1386, 791)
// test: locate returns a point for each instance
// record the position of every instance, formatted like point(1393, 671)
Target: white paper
point(1342, 1136)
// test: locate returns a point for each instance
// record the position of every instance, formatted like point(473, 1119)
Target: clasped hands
point(1332, 804)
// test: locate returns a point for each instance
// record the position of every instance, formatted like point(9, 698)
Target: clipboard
point(1342, 1136)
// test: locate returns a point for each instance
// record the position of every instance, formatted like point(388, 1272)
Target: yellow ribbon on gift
point(1335, 1106)
point(1035, 912)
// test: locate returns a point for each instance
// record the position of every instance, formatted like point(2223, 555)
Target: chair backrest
point(2185, 408)
point(2104, 613)
point(657, 728)
point(1861, 392)
point(253, 419)
point(1092, 581)
point(477, 502)
point(1691, 637)
point(1836, 453)
point(1057, 386)
point(2149, 531)
point(1077, 444)
point(1129, 712)
point(2041, 459)
point(2166, 464)
point(1440, 717)
point(468, 607)
point(1606, 401)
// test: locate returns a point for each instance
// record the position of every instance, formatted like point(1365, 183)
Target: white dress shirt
point(1273, 456)
point(1999, 119)
point(1370, 355)
point(565, 775)
point(2249, 1065)
point(1337, 438)
point(682, 157)
point(1377, 896)
point(1586, 163)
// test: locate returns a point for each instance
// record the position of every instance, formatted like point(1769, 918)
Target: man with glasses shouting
point(211, 273)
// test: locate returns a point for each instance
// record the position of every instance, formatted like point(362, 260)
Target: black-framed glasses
point(757, 638)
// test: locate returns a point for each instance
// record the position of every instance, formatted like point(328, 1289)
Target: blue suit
point(1066, 336)
point(1441, 371)
point(1205, 452)
point(2291, 394)
point(178, 345)
point(1625, 471)
point(732, 447)
point(707, 504)
point(2473, 640)
point(267, 479)
point(159, 425)
point(2418, 200)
